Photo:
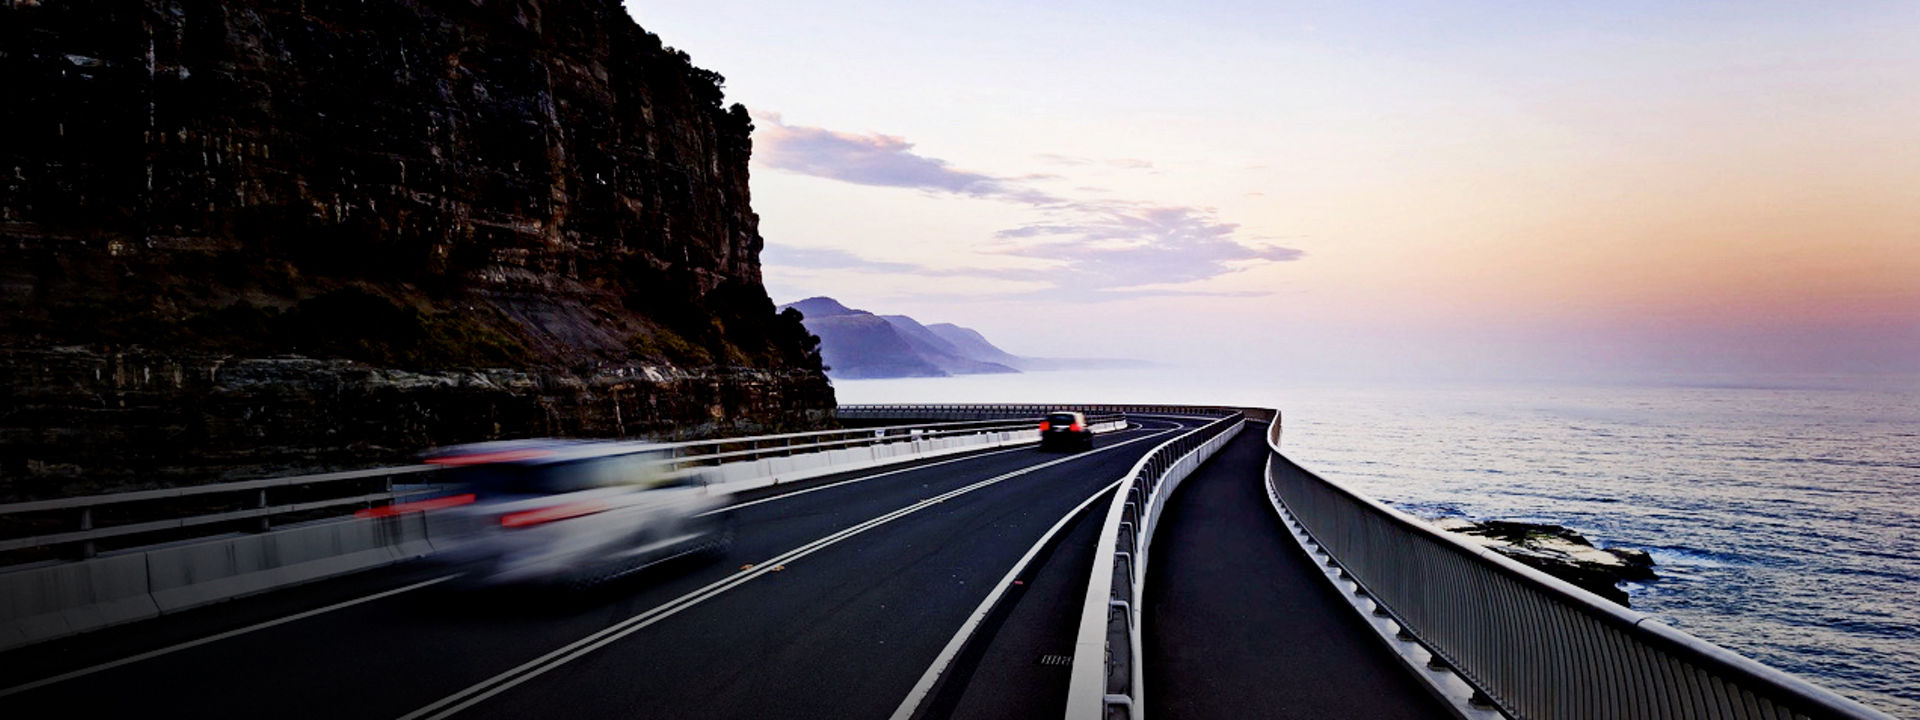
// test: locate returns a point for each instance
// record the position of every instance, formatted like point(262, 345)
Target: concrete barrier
point(47, 602)
point(775, 471)
point(53, 601)
point(200, 573)
point(43, 603)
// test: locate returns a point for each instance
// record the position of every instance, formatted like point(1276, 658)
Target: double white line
point(918, 694)
point(505, 681)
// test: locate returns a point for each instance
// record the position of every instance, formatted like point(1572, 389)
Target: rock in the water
point(1560, 552)
point(1637, 565)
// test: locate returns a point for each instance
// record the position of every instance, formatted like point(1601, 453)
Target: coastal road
point(847, 596)
point(1239, 622)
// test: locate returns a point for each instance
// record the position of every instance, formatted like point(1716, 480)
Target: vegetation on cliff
point(238, 176)
point(424, 186)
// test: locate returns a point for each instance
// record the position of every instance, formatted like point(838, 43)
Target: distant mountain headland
point(261, 234)
point(856, 344)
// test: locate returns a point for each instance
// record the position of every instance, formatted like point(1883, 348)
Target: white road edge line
point(481, 691)
point(797, 493)
point(149, 655)
point(216, 638)
point(939, 667)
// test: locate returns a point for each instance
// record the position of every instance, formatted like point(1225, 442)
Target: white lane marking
point(940, 663)
point(798, 493)
point(481, 691)
point(874, 476)
point(142, 657)
point(216, 638)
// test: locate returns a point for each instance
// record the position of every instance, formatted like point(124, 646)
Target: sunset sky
point(1621, 190)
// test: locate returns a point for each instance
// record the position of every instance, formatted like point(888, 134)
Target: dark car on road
point(1066, 431)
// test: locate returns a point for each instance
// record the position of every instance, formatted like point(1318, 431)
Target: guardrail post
point(87, 549)
point(264, 523)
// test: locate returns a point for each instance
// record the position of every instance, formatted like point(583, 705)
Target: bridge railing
point(77, 527)
point(1535, 646)
point(977, 411)
point(1106, 674)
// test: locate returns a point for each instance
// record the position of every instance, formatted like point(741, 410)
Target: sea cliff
point(246, 235)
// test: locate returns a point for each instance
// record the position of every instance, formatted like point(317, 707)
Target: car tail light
point(416, 506)
point(492, 457)
point(1075, 427)
point(529, 518)
point(1045, 426)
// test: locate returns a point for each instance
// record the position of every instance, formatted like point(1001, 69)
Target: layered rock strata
point(332, 232)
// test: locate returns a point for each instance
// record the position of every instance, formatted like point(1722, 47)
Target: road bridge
point(961, 584)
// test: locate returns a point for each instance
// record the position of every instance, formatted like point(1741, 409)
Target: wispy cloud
point(837, 259)
point(1082, 283)
point(1098, 248)
point(1122, 245)
point(874, 159)
point(832, 259)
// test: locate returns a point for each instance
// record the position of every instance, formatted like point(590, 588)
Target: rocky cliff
point(262, 234)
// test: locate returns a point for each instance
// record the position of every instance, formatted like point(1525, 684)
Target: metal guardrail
point(1106, 675)
point(260, 511)
point(953, 410)
point(1535, 646)
point(253, 505)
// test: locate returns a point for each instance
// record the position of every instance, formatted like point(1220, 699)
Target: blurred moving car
point(573, 513)
point(1065, 430)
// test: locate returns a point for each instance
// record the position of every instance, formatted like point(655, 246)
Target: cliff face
point(524, 209)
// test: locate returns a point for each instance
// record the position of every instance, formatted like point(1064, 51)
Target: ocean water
point(1785, 521)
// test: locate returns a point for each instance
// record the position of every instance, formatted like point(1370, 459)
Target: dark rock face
point(1561, 552)
point(408, 193)
point(84, 422)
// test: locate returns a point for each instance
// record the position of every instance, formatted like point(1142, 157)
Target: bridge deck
point(1237, 625)
point(1238, 622)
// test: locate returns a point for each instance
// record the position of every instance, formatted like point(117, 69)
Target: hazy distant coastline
point(860, 345)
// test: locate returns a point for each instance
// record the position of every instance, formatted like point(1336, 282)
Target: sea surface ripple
point(1786, 522)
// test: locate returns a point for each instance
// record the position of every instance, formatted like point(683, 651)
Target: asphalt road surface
point(1239, 623)
point(942, 589)
point(841, 598)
